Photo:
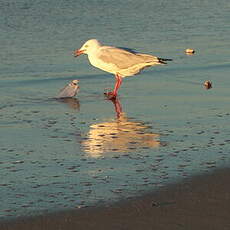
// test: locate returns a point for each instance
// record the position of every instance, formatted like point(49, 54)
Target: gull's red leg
point(113, 94)
point(118, 84)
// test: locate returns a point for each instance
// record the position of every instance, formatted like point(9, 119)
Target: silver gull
point(119, 61)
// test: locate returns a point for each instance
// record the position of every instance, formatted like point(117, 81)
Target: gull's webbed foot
point(110, 94)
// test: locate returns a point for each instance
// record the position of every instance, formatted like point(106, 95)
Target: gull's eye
point(86, 46)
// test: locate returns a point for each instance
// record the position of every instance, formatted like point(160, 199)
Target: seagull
point(69, 90)
point(121, 62)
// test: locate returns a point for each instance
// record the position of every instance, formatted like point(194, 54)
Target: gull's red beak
point(78, 52)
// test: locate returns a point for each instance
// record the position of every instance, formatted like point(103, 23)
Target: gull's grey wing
point(68, 91)
point(124, 59)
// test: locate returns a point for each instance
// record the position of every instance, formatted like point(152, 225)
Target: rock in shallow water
point(208, 84)
point(69, 90)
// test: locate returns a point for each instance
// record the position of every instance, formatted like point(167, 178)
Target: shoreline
point(200, 202)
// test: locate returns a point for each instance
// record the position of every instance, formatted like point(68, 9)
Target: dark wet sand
point(202, 202)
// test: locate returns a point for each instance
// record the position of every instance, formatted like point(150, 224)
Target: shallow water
point(61, 154)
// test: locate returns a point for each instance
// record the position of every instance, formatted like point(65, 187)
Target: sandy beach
point(198, 203)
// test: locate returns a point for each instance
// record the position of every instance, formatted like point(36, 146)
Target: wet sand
point(202, 202)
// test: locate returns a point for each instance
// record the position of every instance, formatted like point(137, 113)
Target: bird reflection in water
point(73, 103)
point(119, 136)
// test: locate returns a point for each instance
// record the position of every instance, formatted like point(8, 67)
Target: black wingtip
point(165, 59)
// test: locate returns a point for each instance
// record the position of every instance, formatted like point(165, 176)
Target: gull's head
point(89, 46)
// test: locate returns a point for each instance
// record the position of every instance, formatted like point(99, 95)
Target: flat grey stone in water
point(69, 90)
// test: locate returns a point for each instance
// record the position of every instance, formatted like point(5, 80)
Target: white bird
point(119, 61)
point(69, 90)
